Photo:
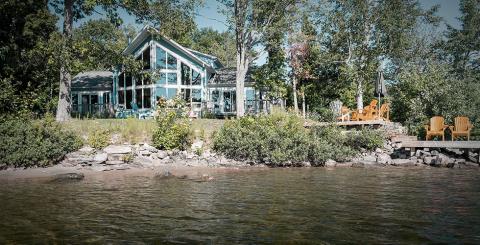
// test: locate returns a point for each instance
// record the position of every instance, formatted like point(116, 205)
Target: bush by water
point(34, 143)
point(280, 139)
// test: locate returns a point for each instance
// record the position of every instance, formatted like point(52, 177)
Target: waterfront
point(298, 205)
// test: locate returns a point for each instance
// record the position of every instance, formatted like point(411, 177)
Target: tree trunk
point(303, 105)
point(360, 95)
point(294, 88)
point(242, 55)
point(242, 68)
point(64, 106)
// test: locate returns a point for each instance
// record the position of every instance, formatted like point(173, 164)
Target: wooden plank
point(442, 144)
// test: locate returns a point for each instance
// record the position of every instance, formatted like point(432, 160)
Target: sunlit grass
point(135, 130)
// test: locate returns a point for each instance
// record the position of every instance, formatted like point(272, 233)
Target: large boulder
point(68, 177)
point(330, 163)
point(100, 157)
point(118, 149)
point(404, 162)
point(384, 159)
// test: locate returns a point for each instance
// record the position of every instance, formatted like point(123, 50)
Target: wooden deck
point(350, 123)
point(442, 144)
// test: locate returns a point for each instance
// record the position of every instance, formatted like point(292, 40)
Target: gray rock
point(116, 157)
point(147, 147)
point(429, 160)
point(443, 160)
point(460, 161)
point(190, 155)
point(330, 163)
point(114, 162)
point(384, 159)
point(403, 162)
point(144, 153)
point(143, 161)
point(369, 158)
point(306, 164)
point(100, 157)
point(357, 164)
point(68, 177)
point(118, 149)
point(86, 149)
point(162, 154)
point(434, 153)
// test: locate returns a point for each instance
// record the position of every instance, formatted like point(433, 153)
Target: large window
point(121, 80)
point(146, 58)
point(172, 78)
point(128, 80)
point(196, 78)
point(147, 98)
point(171, 62)
point(196, 95)
point(167, 93)
point(121, 97)
point(138, 81)
point(185, 74)
point(129, 100)
point(138, 97)
point(161, 59)
point(163, 79)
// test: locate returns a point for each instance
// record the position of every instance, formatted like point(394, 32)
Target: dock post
point(466, 154)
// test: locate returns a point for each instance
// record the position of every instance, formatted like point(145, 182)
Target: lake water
point(317, 205)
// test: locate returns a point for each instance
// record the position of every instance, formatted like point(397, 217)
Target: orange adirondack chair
point(344, 114)
point(384, 112)
point(462, 128)
point(368, 113)
point(436, 128)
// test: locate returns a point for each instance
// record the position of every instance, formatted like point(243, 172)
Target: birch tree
point(250, 20)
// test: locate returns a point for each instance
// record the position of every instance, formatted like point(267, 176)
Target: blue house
point(199, 78)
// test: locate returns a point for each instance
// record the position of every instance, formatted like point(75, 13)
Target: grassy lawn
point(135, 130)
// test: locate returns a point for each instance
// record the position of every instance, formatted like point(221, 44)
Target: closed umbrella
point(380, 88)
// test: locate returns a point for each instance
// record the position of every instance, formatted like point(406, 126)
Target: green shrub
point(173, 130)
point(99, 139)
point(280, 139)
point(277, 139)
point(365, 139)
point(27, 143)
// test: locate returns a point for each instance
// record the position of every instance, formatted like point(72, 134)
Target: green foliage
point(280, 139)
point(99, 139)
point(218, 44)
point(27, 143)
point(173, 130)
point(365, 139)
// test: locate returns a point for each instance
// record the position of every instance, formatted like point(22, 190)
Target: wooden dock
point(375, 123)
point(467, 146)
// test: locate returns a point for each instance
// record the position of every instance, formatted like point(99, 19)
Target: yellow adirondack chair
point(462, 128)
point(436, 128)
point(368, 113)
point(384, 112)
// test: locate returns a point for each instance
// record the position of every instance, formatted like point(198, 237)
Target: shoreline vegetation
point(276, 140)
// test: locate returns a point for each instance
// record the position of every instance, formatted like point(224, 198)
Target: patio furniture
point(436, 127)
point(462, 128)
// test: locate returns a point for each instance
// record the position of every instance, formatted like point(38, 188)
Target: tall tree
point(219, 44)
point(362, 33)
point(463, 45)
point(250, 19)
point(27, 56)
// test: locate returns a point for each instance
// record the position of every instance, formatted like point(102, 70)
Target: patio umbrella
point(380, 88)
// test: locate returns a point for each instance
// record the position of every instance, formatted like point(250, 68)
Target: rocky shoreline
point(143, 157)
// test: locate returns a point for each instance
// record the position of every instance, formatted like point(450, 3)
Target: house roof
point(226, 77)
point(93, 80)
point(148, 30)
